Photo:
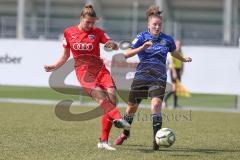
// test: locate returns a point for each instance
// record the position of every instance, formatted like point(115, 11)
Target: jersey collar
point(154, 37)
point(82, 31)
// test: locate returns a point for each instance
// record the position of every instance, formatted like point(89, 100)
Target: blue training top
point(152, 66)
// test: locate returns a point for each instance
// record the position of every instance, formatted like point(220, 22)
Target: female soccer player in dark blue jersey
point(152, 47)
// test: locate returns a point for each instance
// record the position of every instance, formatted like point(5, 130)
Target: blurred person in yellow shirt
point(176, 70)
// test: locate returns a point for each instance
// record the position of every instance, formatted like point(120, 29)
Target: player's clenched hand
point(187, 59)
point(111, 45)
point(147, 44)
point(50, 68)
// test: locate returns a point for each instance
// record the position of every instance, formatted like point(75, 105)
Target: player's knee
point(100, 98)
point(132, 108)
point(113, 100)
point(156, 106)
point(156, 103)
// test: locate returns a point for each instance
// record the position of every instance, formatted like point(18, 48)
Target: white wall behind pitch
point(213, 70)
point(34, 55)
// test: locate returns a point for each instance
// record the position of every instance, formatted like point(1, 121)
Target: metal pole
point(47, 18)
point(20, 19)
point(161, 4)
point(236, 35)
point(227, 20)
point(33, 19)
point(135, 18)
point(167, 19)
point(176, 30)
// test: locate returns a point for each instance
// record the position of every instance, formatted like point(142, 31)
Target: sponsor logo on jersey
point(91, 37)
point(83, 46)
point(134, 41)
point(163, 42)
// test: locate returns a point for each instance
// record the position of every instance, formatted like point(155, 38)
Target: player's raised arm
point(132, 52)
point(107, 41)
point(61, 61)
point(176, 54)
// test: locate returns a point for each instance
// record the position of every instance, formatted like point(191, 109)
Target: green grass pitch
point(202, 100)
point(34, 132)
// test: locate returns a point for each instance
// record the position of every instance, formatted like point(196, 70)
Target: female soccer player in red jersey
point(83, 41)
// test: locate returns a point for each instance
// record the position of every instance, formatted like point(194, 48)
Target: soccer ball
point(165, 137)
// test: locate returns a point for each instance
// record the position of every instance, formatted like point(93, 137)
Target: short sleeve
point(172, 45)
point(137, 42)
point(104, 38)
point(65, 41)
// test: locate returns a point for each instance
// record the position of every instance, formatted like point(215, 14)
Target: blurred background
point(205, 22)
point(31, 33)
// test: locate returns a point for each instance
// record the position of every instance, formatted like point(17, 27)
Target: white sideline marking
point(92, 104)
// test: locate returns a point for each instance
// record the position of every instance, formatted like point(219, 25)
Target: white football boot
point(105, 145)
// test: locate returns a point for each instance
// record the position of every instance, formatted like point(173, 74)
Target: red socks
point(110, 113)
point(106, 127)
point(110, 109)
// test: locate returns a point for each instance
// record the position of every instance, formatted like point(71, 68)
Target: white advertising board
point(213, 70)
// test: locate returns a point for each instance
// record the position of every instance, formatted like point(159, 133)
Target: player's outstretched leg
point(126, 133)
point(114, 113)
point(130, 111)
point(101, 97)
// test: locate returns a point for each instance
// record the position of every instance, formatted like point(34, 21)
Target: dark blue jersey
point(152, 66)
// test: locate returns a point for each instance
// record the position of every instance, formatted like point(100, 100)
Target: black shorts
point(144, 89)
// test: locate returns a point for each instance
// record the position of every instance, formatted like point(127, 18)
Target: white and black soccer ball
point(165, 137)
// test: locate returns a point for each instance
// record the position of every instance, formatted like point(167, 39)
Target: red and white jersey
point(82, 42)
point(85, 46)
